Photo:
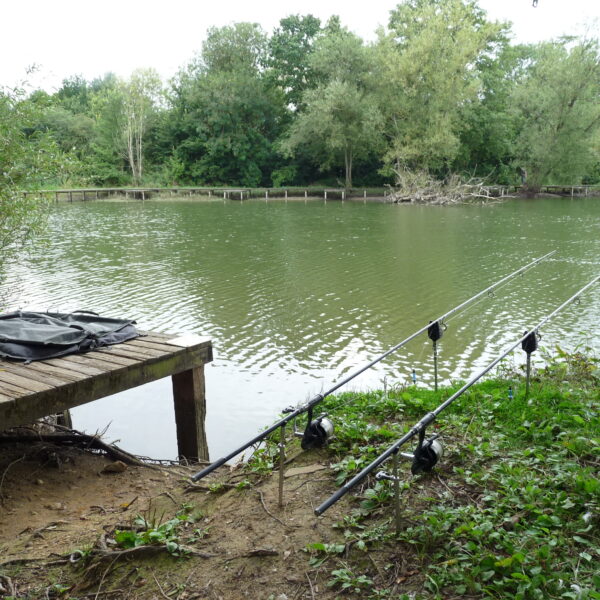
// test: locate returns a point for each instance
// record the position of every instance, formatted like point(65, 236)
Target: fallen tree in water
point(421, 187)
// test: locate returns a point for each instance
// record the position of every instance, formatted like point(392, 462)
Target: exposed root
point(81, 440)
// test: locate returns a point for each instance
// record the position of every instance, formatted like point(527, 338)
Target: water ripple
point(297, 296)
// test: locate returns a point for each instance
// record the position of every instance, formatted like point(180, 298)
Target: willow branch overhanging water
point(308, 406)
point(430, 417)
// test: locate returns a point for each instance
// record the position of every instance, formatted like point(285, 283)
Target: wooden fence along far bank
point(146, 193)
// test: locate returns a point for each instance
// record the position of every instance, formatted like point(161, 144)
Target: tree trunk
point(348, 161)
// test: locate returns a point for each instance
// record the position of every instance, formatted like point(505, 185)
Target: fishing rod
point(318, 430)
point(428, 452)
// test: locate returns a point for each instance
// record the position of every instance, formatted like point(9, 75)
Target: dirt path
point(57, 501)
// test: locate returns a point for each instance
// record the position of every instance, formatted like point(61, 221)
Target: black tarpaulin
point(32, 336)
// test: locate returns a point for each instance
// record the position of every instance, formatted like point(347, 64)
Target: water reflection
point(295, 295)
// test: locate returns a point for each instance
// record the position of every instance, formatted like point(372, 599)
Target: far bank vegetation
point(440, 102)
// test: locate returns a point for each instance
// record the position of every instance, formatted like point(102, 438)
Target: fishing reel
point(317, 432)
point(424, 458)
point(426, 455)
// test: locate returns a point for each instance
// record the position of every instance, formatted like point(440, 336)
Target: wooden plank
point(40, 404)
point(129, 353)
point(94, 360)
point(152, 345)
point(118, 361)
point(65, 374)
point(85, 359)
point(23, 382)
point(137, 353)
point(153, 335)
point(31, 372)
point(70, 362)
point(14, 391)
point(145, 349)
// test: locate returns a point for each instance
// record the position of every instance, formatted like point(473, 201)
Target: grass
point(512, 513)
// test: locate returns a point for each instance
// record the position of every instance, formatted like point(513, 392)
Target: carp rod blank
point(319, 397)
point(419, 428)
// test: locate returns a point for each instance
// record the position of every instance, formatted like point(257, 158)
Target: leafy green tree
point(341, 55)
point(234, 48)
point(557, 106)
point(73, 132)
point(74, 95)
point(488, 126)
point(141, 95)
point(290, 48)
point(340, 123)
point(427, 74)
point(22, 161)
point(107, 110)
point(228, 112)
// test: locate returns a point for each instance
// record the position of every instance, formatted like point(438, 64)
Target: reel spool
point(427, 455)
point(317, 433)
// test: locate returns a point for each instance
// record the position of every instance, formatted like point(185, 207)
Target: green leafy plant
point(321, 552)
point(346, 580)
point(153, 530)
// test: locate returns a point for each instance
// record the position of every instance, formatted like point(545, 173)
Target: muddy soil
point(58, 505)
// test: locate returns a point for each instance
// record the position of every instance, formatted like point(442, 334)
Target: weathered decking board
point(31, 391)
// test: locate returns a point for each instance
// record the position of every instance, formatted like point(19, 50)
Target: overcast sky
point(90, 38)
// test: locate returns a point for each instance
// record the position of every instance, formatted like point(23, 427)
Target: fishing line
point(317, 429)
point(489, 296)
point(528, 341)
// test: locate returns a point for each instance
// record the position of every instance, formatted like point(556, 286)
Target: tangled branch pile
point(419, 186)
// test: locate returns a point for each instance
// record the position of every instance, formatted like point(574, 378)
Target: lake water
point(297, 294)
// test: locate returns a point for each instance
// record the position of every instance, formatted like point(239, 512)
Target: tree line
point(442, 90)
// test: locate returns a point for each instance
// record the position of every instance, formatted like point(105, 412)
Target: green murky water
point(297, 294)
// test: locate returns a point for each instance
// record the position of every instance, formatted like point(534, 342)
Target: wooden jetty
point(383, 193)
point(146, 193)
point(41, 388)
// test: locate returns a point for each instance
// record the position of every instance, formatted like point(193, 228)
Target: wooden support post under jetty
point(46, 387)
point(190, 413)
